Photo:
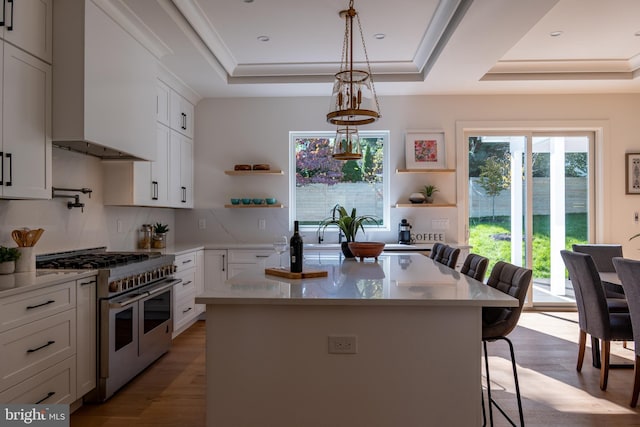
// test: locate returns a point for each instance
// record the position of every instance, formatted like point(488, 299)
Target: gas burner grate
point(92, 261)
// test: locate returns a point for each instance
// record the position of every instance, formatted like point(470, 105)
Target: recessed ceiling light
point(379, 36)
point(637, 34)
point(556, 33)
point(263, 38)
point(248, 1)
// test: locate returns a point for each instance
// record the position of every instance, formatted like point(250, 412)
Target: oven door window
point(157, 310)
point(124, 328)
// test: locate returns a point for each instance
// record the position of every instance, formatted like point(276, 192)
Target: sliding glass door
point(530, 197)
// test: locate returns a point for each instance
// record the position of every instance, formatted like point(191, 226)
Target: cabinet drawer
point(188, 285)
point(51, 386)
point(185, 261)
point(29, 306)
point(249, 257)
point(184, 311)
point(36, 346)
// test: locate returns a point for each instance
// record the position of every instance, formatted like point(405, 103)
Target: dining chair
point(475, 266)
point(498, 322)
point(629, 272)
point(602, 255)
point(448, 256)
point(435, 250)
point(594, 316)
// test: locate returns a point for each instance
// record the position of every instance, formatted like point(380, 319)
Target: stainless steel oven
point(135, 323)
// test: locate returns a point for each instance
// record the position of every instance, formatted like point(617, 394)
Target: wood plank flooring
point(171, 392)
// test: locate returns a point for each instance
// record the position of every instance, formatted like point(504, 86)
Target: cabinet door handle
point(262, 256)
point(184, 121)
point(10, 26)
point(186, 311)
point(88, 283)
point(51, 393)
point(4, 2)
point(51, 301)
point(1, 168)
point(184, 194)
point(187, 261)
point(223, 262)
point(33, 350)
point(154, 190)
point(10, 157)
point(187, 283)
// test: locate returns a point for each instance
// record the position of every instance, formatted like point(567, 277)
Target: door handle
point(51, 393)
point(184, 194)
point(1, 168)
point(10, 157)
point(30, 307)
point(4, 2)
point(10, 26)
point(33, 350)
point(154, 190)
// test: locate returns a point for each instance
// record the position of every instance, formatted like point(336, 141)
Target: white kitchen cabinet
point(105, 85)
point(130, 183)
point(200, 308)
point(245, 259)
point(215, 268)
point(181, 118)
point(180, 171)
point(163, 99)
point(86, 317)
point(28, 25)
point(185, 310)
point(26, 126)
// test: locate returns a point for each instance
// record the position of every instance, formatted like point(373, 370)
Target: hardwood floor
point(171, 392)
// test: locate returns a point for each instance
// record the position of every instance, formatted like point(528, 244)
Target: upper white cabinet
point(163, 98)
point(181, 118)
point(28, 25)
point(104, 82)
point(25, 168)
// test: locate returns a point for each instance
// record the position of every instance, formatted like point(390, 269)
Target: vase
point(428, 199)
point(345, 250)
point(7, 267)
point(416, 198)
point(159, 240)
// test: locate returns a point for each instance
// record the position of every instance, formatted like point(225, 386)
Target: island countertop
point(394, 279)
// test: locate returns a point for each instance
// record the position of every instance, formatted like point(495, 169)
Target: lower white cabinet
point(190, 269)
point(215, 268)
point(86, 318)
point(244, 259)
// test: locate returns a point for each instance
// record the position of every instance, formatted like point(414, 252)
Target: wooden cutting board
point(289, 275)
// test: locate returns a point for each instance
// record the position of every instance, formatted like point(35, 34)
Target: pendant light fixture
point(353, 101)
point(347, 144)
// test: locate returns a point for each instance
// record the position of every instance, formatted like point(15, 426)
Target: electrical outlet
point(262, 224)
point(635, 217)
point(119, 225)
point(343, 344)
point(202, 223)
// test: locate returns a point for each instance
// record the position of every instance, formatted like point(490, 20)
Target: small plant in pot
point(429, 191)
point(348, 225)
point(160, 235)
point(8, 258)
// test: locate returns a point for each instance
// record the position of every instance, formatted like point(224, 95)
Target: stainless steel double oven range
point(134, 306)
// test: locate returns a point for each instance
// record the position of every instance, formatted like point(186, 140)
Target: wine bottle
point(296, 250)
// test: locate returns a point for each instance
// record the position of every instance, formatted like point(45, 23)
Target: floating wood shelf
point(425, 205)
point(264, 205)
point(424, 170)
point(258, 172)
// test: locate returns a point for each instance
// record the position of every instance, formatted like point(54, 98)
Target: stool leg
point(489, 399)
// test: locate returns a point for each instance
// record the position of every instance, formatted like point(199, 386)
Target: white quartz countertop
point(395, 279)
point(12, 284)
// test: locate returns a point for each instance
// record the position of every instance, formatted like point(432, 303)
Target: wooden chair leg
point(624, 344)
point(636, 383)
point(582, 343)
point(604, 364)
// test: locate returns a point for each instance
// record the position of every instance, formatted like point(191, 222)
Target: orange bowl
point(366, 249)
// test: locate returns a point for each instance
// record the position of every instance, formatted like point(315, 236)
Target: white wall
point(255, 130)
point(67, 229)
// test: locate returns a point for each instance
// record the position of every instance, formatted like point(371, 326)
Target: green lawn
point(490, 237)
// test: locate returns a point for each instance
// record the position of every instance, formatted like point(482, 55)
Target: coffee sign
point(429, 237)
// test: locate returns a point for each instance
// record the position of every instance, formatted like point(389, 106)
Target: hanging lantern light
point(354, 101)
point(346, 145)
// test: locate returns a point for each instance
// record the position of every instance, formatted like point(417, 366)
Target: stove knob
point(141, 279)
point(114, 286)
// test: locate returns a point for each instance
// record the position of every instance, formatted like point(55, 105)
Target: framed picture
point(633, 173)
point(425, 150)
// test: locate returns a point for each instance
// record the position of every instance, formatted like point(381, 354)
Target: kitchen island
point(395, 342)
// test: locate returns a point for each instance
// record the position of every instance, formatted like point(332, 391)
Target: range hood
point(96, 150)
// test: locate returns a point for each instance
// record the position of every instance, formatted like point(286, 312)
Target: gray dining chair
point(448, 256)
point(594, 316)
point(629, 272)
point(602, 255)
point(475, 266)
point(435, 250)
point(498, 322)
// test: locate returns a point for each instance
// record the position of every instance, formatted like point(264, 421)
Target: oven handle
point(165, 286)
point(121, 304)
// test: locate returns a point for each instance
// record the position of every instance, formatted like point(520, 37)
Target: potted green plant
point(429, 191)
point(8, 258)
point(160, 235)
point(348, 225)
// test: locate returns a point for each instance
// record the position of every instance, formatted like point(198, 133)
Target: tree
point(351, 171)
point(368, 167)
point(314, 163)
point(495, 177)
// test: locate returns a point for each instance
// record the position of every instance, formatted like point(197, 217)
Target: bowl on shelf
point(242, 167)
point(366, 249)
point(271, 200)
point(235, 201)
point(261, 167)
point(258, 201)
point(246, 201)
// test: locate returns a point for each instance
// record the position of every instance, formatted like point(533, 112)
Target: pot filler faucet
point(76, 197)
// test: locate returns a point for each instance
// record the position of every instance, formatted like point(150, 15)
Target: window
point(321, 182)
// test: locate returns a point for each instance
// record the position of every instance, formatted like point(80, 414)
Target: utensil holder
point(27, 260)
